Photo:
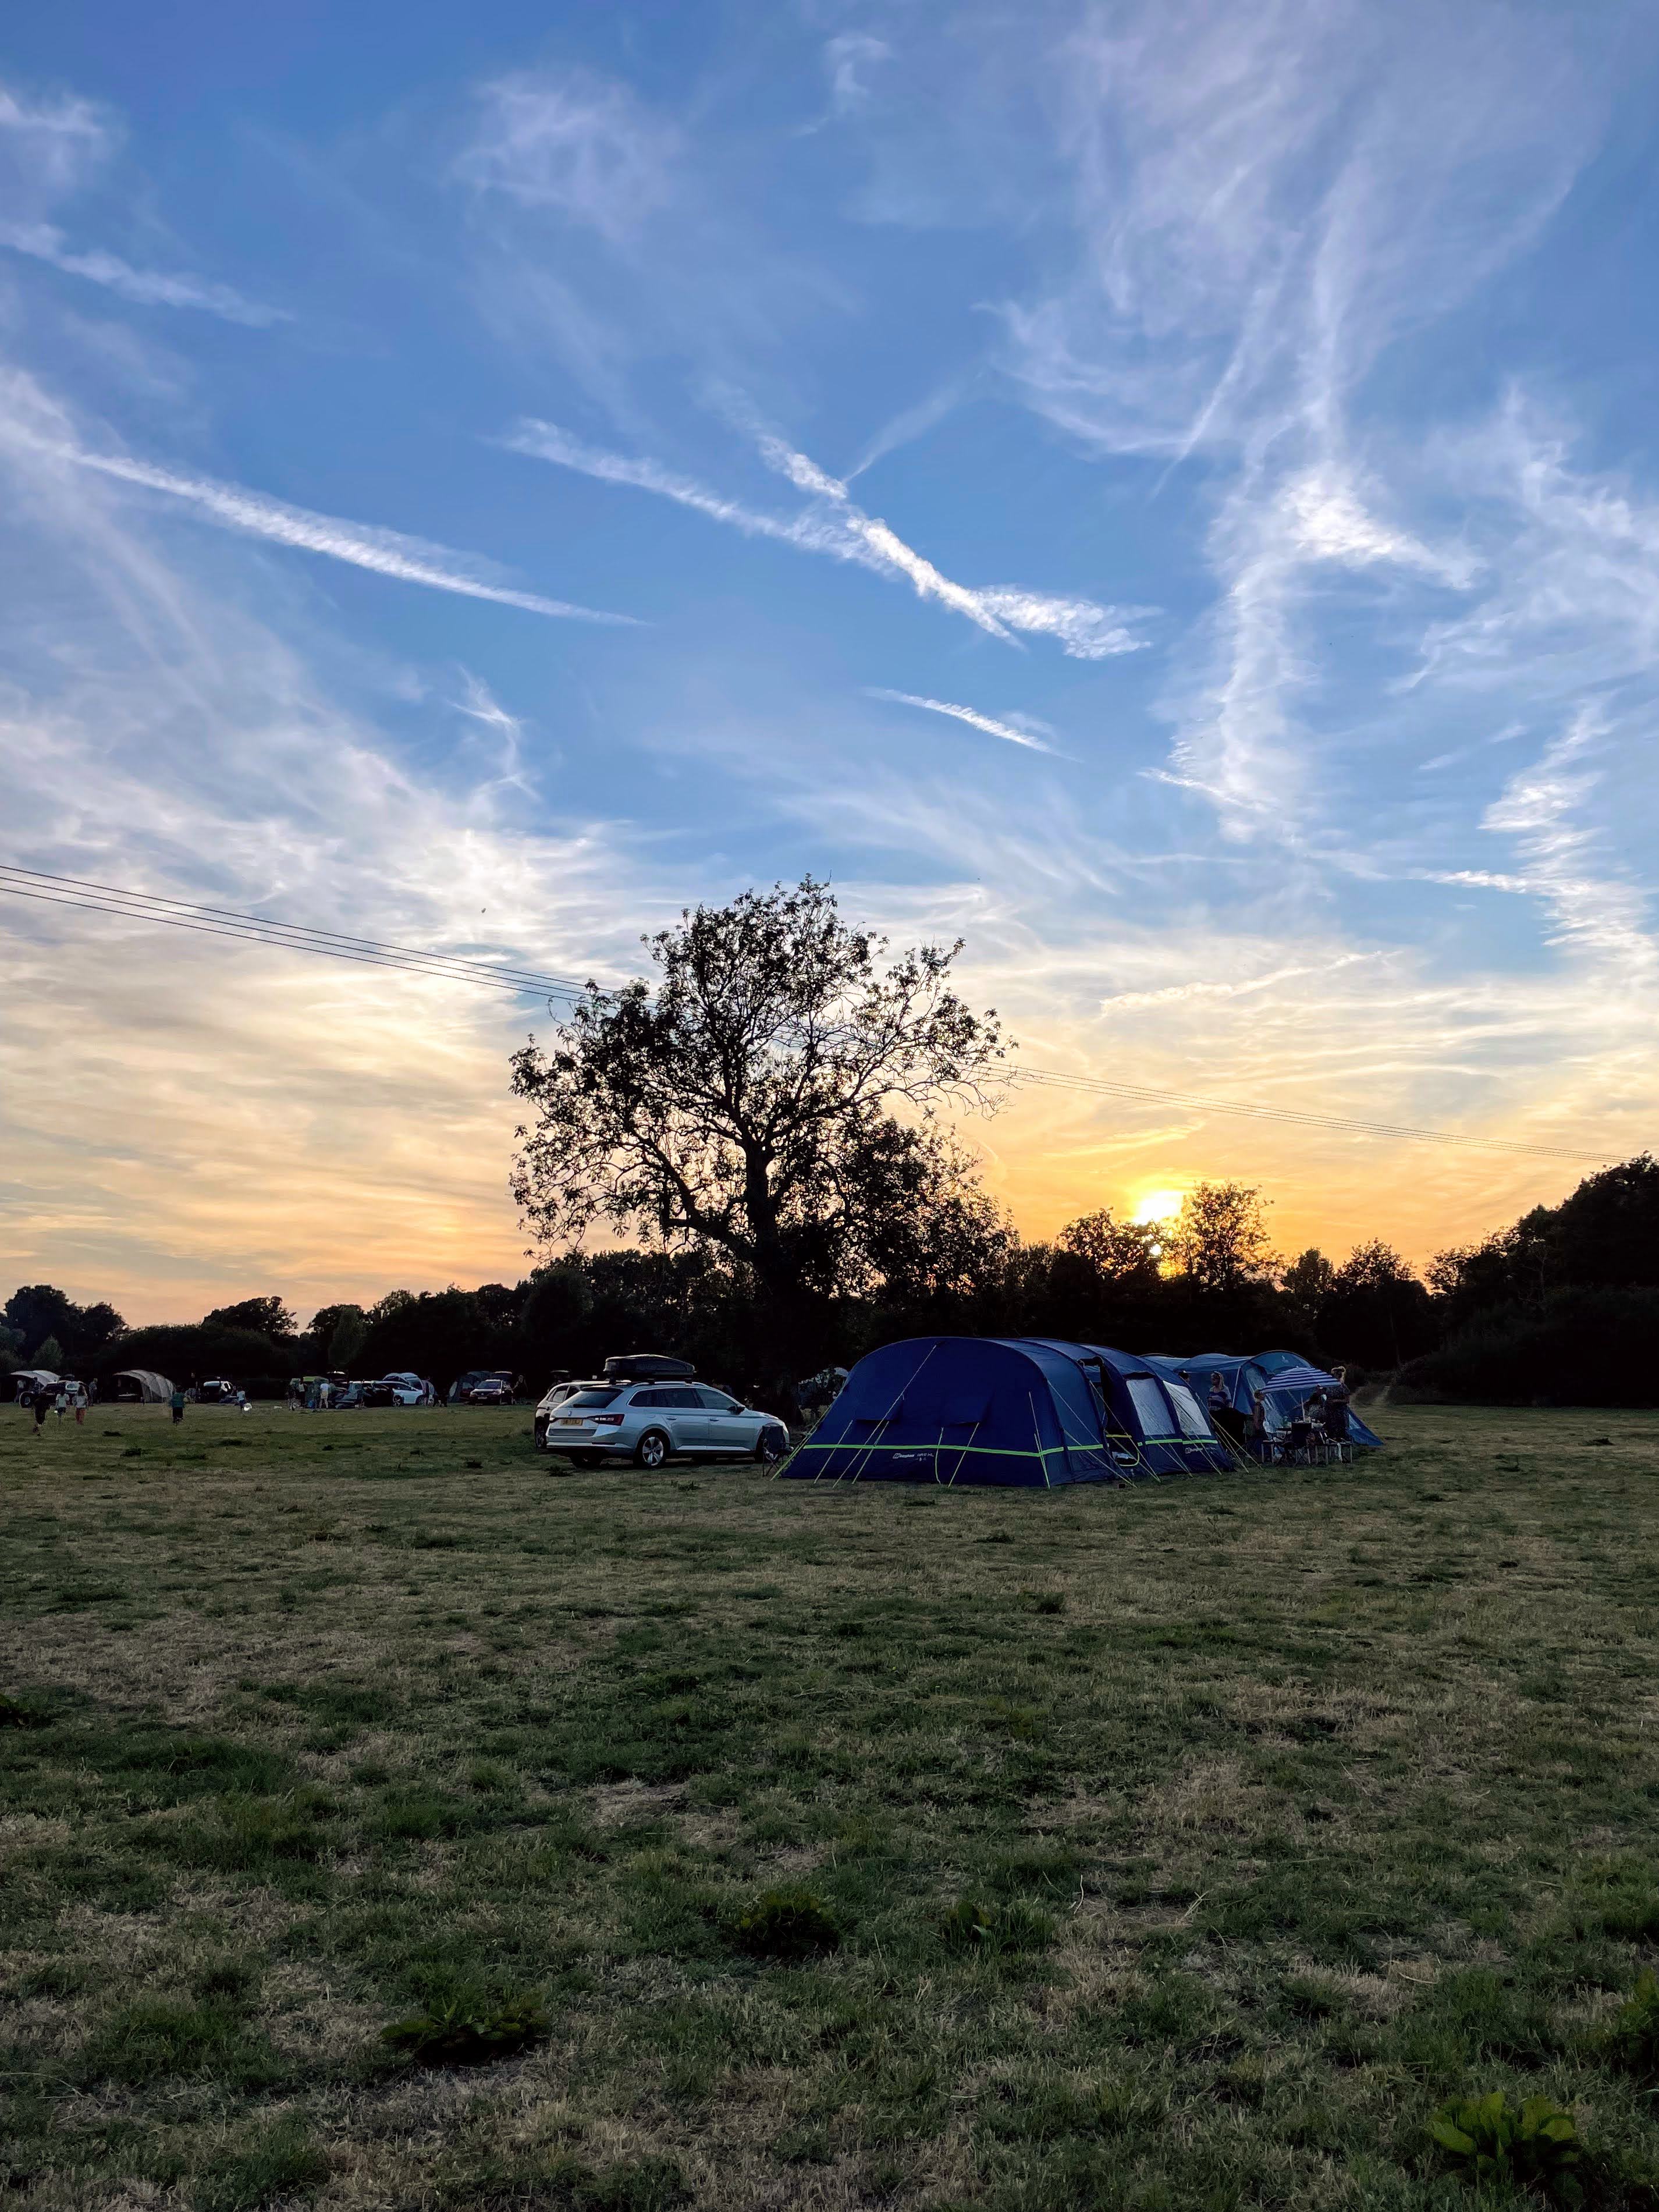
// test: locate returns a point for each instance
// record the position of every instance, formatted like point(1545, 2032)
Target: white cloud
point(48, 149)
point(147, 286)
point(1262, 199)
point(1595, 913)
point(1327, 521)
point(1176, 994)
point(970, 715)
point(577, 145)
point(386, 552)
point(179, 1116)
point(835, 525)
point(479, 705)
point(844, 56)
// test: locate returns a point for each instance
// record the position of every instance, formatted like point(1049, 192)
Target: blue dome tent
point(1024, 1411)
point(1283, 1378)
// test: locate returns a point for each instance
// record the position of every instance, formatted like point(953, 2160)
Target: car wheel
point(652, 1449)
point(771, 1446)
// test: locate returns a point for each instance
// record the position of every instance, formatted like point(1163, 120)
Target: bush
point(1491, 2141)
point(786, 1924)
point(469, 2029)
point(1581, 1347)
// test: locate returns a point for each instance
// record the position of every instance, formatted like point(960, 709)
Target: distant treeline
point(1562, 1307)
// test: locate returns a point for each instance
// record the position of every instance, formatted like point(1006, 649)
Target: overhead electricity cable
point(258, 929)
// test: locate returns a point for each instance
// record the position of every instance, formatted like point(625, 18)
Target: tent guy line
point(257, 929)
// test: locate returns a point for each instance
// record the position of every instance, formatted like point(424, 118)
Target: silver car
point(654, 1422)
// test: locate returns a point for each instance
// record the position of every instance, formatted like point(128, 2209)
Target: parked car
point(555, 1395)
point(484, 1386)
point(651, 1423)
point(494, 1390)
point(398, 1389)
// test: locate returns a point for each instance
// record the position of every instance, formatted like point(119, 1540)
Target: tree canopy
point(772, 1098)
point(268, 1316)
point(37, 1313)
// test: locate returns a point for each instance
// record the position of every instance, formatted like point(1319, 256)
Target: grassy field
point(1180, 1847)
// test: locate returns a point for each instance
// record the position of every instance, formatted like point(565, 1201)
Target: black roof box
point(648, 1367)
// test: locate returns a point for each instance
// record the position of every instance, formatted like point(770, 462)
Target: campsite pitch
point(707, 1840)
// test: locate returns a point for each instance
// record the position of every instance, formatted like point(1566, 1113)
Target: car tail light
point(607, 1420)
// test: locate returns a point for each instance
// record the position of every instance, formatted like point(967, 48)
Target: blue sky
point(1166, 493)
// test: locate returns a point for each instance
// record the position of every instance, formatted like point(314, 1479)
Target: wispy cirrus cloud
point(971, 715)
point(157, 729)
point(1178, 994)
point(846, 57)
point(48, 146)
point(49, 150)
point(837, 526)
point(1594, 911)
point(362, 546)
point(1263, 199)
point(147, 287)
point(575, 144)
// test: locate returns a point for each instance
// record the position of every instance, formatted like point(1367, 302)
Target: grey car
point(651, 1423)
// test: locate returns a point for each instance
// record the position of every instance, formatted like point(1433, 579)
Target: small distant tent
point(142, 1386)
point(1285, 1378)
point(27, 1383)
point(1025, 1411)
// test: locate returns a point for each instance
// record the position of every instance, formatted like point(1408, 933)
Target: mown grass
point(1181, 1847)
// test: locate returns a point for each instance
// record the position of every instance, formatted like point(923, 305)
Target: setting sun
point(1158, 1205)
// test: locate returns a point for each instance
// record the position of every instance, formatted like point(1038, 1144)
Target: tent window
point(1188, 1412)
point(1148, 1400)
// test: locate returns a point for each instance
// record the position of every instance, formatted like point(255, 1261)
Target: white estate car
point(654, 1422)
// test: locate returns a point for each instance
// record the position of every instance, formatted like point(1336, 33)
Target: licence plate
point(569, 1424)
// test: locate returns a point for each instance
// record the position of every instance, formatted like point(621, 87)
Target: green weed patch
point(1493, 2142)
point(470, 2029)
point(786, 1924)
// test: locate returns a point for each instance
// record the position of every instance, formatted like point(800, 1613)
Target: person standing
point(39, 1410)
point(1224, 1414)
point(1260, 1440)
point(1337, 1404)
point(176, 1403)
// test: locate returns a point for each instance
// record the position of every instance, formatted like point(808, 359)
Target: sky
point(1165, 493)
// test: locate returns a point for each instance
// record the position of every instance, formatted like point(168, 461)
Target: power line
point(258, 929)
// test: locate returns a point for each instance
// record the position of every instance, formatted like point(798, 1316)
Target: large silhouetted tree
point(1375, 1309)
point(772, 1098)
point(268, 1315)
point(1219, 1241)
